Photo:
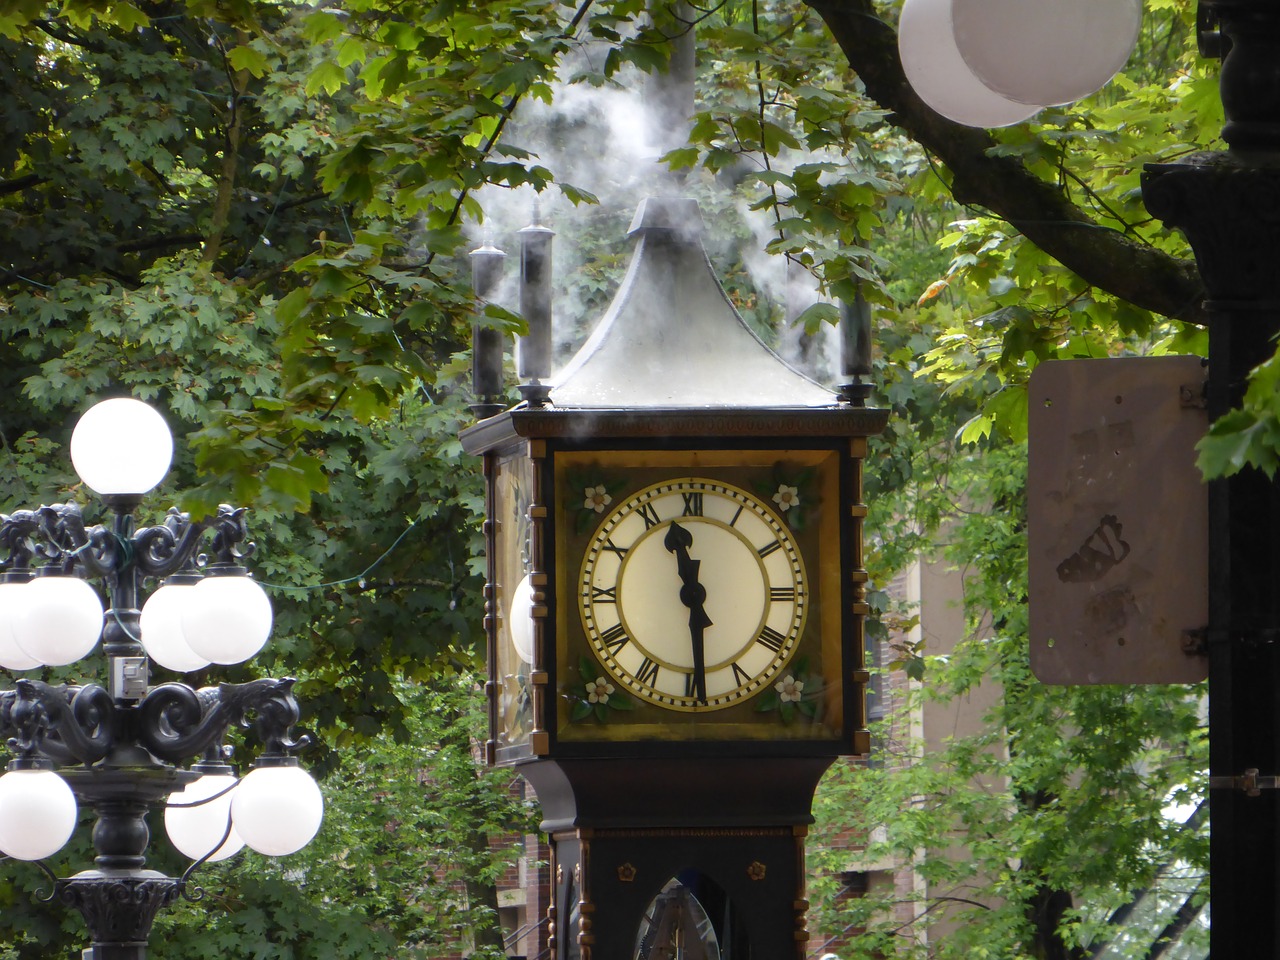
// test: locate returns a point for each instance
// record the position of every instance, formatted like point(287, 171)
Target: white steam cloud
point(600, 140)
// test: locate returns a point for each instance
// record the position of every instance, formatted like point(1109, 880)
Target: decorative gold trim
point(822, 550)
point(539, 737)
point(557, 870)
point(861, 743)
point(626, 872)
point(490, 621)
point(859, 609)
point(586, 902)
point(756, 870)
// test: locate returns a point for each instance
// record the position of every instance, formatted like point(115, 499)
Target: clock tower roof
point(672, 339)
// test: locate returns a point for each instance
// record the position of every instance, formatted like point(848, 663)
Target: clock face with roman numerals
point(693, 594)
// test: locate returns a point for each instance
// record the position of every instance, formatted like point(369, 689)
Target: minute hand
point(693, 595)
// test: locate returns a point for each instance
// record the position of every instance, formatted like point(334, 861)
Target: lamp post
point(1225, 203)
point(117, 749)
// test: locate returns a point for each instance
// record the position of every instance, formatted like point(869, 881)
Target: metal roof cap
point(671, 337)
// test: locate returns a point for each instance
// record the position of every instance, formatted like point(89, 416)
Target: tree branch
point(221, 216)
point(58, 32)
point(1183, 918)
point(21, 183)
point(1041, 211)
point(153, 243)
point(83, 255)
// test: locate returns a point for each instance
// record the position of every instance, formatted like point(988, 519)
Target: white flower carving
point(598, 690)
point(597, 498)
point(786, 497)
point(789, 689)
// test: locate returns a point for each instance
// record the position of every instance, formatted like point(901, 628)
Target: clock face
point(693, 594)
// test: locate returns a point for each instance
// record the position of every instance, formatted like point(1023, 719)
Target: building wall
point(934, 591)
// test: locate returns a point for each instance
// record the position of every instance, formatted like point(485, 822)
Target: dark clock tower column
point(732, 831)
point(675, 614)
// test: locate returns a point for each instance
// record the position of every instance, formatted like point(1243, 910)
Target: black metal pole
point(1228, 205)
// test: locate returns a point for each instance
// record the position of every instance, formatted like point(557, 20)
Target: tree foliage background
point(254, 213)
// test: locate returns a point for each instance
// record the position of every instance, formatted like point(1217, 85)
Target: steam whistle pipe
point(533, 351)
point(855, 350)
point(486, 342)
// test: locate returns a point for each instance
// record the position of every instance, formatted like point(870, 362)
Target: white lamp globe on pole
point(13, 595)
point(37, 812)
point(1045, 51)
point(228, 619)
point(121, 447)
point(59, 620)
point(198, 819)
point(939, 75)
point(160, 625)
point(277, 808)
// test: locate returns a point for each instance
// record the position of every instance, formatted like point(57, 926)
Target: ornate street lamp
point(117, 749)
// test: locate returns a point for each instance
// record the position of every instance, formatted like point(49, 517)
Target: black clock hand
point(693, 595)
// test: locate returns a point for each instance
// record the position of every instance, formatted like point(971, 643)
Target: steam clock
point(675, 608)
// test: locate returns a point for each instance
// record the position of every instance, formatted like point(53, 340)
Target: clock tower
point(674, 609)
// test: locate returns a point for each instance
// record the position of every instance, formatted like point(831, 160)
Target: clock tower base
point(634, 840)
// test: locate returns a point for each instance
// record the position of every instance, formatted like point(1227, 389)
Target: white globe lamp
point(121, 447)
point(520, 619)
point(198, 818)
point(277, 809)
point(60, 619)
point(229, 618)
point(1045, 51)
point(13, 595)
point(160, 626)
point(940, 77)
point(37, 813)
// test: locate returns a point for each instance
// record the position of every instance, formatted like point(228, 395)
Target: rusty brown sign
point(1117, 520)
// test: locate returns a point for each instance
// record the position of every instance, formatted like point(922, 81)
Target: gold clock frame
point(640, 468)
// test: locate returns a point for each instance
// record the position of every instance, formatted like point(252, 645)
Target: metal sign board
point(1117, 520)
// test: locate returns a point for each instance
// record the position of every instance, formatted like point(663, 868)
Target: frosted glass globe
point(13, 596)
point(277, 810)
point(37, 814)
point(228, 620)
point(520, 619)
point(195, 830)
point(162, 633)
point(61, 620)
point(1045, 51)
point(939, 75)
point(121, 446)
